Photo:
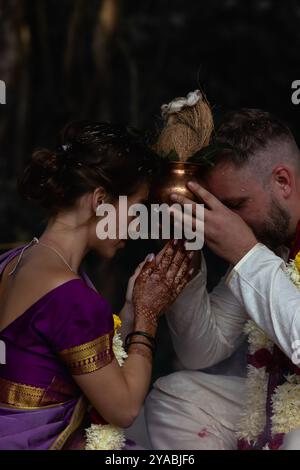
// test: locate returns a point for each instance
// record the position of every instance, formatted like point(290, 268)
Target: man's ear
point(99, 196)
point(284, 180)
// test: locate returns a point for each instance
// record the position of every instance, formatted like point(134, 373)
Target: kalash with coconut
point(187, 130)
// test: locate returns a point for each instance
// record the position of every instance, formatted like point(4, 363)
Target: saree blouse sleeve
point(81, 328)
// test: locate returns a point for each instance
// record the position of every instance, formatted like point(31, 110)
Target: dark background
point(119, 60)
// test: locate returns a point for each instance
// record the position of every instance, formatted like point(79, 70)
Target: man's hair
point(244, 133)
point(250, 130)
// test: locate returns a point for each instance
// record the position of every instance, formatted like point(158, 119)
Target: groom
point(251, 192)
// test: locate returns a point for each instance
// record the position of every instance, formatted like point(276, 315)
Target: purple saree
point(67, 332)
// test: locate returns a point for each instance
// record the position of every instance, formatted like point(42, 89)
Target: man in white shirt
point(252, 199)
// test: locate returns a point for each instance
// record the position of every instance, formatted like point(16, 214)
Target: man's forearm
point(270, 298)
point(205, 328)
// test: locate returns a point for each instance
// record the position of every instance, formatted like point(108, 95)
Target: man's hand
point(225, 232)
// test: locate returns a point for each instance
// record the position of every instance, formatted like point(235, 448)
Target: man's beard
point(274, 232)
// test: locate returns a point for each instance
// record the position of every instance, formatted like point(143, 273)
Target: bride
point(56, 328)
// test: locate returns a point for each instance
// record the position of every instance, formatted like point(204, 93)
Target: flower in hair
point(66, 147)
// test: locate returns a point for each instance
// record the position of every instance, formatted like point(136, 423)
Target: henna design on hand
point(160, 281)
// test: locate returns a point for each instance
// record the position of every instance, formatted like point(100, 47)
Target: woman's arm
point(118, 393)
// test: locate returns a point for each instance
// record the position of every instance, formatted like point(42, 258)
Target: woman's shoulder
point(74, 314)
point(71, 291)
point(68, 286)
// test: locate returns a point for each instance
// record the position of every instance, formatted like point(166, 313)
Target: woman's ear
point(284, 180)
point(99, 196)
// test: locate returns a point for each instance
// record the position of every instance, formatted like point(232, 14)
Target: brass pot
point(173, 179)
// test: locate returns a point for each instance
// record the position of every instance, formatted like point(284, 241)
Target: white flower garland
point(104, 437)
point(286, 398)
point(286, 406)
point(107, 436)
point(252, 422)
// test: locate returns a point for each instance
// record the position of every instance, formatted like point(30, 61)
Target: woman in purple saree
point(57, 329)
point(41, 405)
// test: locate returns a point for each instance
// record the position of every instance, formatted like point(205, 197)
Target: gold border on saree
point(89, 356)
point(75, 422)
point(14, 407)
point(19, 395)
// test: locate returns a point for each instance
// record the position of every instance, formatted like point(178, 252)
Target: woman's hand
point(160, 281)
point(127, 312)
point(132, 280)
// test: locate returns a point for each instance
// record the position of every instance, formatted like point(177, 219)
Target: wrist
point(150, 329)
point(236, 258)
point(145, 320)
point(140, 342)
point(141, 337)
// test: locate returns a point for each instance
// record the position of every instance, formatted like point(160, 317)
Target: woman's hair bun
point(89, 155)
point(41, 180)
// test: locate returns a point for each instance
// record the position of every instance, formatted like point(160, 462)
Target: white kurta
point(196, 410)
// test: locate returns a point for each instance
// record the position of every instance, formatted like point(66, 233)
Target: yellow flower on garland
point(118, 348)
point(117, 322)
point(297, 261)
